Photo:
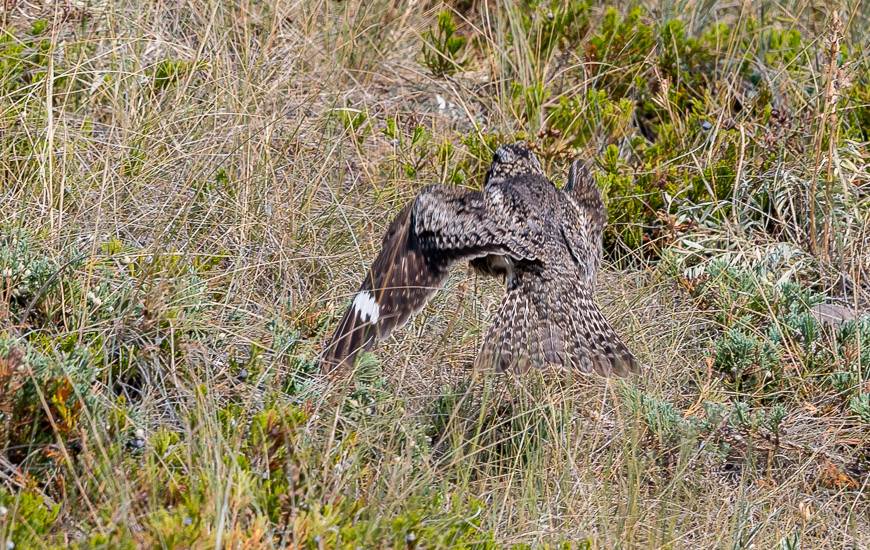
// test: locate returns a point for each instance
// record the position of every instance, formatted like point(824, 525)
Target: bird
point(545, 243)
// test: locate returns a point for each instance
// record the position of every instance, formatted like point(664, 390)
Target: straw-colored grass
point(190, 192)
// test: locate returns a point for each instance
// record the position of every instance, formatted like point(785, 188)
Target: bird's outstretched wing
point(442, 226)
point(547, 320)
point(583, 219)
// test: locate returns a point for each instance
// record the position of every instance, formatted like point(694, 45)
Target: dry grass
point(202, 168)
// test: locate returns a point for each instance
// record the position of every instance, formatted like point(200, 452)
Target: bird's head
point(511, 160)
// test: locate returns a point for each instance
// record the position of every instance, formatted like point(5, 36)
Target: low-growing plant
point(168, 72)
point(772, 342)
point(27, 518)
point(443, 47)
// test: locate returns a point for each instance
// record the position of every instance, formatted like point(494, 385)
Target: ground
point(190, 193)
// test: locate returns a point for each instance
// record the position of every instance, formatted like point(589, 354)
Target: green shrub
point(23, 60)
point(443, 47)
point(623, 42)
point(590, 120)
point(27, 520)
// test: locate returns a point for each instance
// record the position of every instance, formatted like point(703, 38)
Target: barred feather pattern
point(545, 243)
point(544, 322)
point(397, 285)
point(441, 226)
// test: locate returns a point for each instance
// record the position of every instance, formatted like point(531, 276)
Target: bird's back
point(532, 206)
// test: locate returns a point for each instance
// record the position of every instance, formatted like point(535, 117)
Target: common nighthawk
point(545, 242)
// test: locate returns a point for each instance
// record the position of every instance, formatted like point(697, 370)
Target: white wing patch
point(366, 306)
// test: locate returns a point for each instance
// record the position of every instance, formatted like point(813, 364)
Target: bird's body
point(544, 242)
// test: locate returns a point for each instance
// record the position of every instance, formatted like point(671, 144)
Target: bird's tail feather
point(593, 344)
point(507, 345)
point(544, 322)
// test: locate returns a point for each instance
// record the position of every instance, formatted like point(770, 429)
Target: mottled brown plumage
point(544, 242)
